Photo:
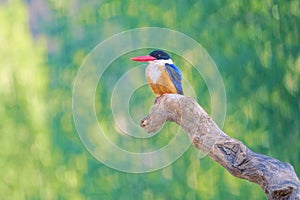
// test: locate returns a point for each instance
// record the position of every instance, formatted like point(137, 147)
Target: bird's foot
point(157, 99)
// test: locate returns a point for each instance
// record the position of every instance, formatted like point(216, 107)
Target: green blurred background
point(255, 44)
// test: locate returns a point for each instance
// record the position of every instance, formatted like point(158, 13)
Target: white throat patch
point(153, 70)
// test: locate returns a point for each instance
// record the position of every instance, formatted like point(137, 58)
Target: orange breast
point(161, 82)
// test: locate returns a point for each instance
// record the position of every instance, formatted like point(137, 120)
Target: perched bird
point(162, 75)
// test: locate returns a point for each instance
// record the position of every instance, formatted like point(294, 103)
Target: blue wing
point(175, 75)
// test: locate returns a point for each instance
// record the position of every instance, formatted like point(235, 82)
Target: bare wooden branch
point(277, 179)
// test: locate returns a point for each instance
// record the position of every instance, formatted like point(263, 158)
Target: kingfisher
point(161, 73)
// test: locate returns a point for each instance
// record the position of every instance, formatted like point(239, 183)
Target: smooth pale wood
point(277, 179)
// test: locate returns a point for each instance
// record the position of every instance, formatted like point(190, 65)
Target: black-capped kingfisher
point(162, 75)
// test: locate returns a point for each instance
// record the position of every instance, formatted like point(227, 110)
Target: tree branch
point(277, 179)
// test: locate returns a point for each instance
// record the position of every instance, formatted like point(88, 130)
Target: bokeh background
point(255, 44)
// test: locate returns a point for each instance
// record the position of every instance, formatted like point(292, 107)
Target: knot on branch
point(233, 151)
point(282, 193)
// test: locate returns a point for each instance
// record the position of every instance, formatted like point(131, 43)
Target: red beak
point(143, 58)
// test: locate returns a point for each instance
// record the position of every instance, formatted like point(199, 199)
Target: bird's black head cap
point(160, 55)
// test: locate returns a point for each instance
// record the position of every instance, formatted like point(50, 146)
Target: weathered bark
point(277, 179)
